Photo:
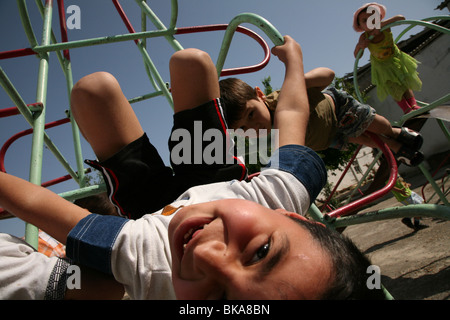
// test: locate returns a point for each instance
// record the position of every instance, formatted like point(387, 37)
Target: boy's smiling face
point(238, 249)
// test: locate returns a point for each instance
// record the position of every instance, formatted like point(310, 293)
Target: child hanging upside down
point(335, 119)
point(231, 239)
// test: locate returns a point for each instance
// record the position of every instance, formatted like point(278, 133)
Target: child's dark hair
point(98, 203)
point(234, 94)
point(364, 10)
point(349, 265)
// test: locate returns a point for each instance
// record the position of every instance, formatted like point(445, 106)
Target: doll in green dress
point(393, 71)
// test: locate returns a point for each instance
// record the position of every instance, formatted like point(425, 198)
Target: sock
point(413, 103)
point(404, 105)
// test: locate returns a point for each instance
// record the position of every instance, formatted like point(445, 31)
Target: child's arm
point(396, 18)
point(362, 44)
point(95, 285)
point(364, 39)
point(319, 78)
point(292, 112)
point(39, 206)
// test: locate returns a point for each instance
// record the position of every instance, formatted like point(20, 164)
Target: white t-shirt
point(26, 274)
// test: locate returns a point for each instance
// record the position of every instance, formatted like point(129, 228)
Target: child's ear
point(297, 216)
point(291, 214)
point(260, 94)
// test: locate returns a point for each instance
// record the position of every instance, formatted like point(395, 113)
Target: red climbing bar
point(8, 143)
point(63, 27)
point(351, 207)
point(7, 112)
point(17, 53)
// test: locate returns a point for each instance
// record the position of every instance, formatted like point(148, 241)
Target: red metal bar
point(351, 207)
point(7, 112)
point(14, 110)
point(342, 177)
point(8, 143)
point(17, 53)
point(3, 213)
point(207, 28)
point(246, 31)
point(63, 27)
point(124, 17)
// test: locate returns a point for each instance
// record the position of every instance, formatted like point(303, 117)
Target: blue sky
point(322, 27)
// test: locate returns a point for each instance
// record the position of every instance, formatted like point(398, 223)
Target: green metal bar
point(28, 115)
point(254, 19)
point(25, 18)
point(355, 75)
point(152, 71)
point(101, 40)
point(433, 183)
point(416, 210)
point(144, 44)
point(315, 213)
point(24, 110)
point(83, 192)
point(31, 232)
point(148, 61)
point(364, 177)
point(75, 133)
point(173, 14)
point(111, 39)
point(144, 26)
point(413, 25)
point(15, 96)
point(443, 128)
point(67, 70)
point(424, 170)
point(145, 97)
point(425, 108)
point(158, 24)
point(445, 192)
point(422, 23)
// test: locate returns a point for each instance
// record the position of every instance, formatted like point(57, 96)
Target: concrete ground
point(415, 265)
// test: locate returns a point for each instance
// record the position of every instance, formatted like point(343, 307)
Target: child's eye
point(261, 253)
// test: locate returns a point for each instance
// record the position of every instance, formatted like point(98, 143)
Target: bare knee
point(93, 88)
point(188, 59)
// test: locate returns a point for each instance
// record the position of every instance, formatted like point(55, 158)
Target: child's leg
point(132, 168)
point(367, 141)
point(408, 103)
point(404, 105)
point(381, 126)
point(396, 137)
point(409, 96)
point(103, 113)
point(194, 79)
point(196, 93)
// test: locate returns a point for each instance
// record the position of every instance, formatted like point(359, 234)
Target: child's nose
point(213, 260)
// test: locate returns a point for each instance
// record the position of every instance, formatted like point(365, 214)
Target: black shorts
point(137, 180)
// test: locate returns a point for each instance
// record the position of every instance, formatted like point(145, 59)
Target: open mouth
point(191, 234)
point(187, 231)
